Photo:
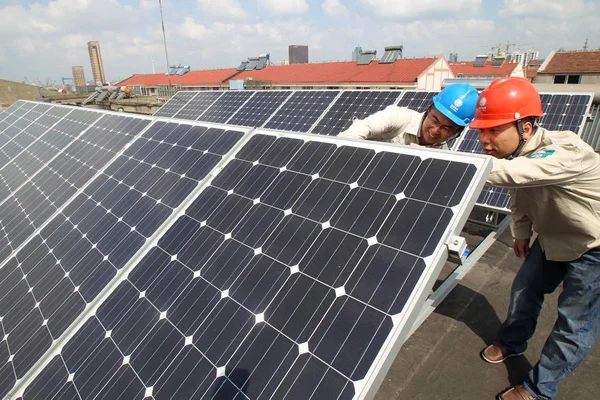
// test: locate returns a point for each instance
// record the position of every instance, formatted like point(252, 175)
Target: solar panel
point(70, 261)
point(27, 150)
point(562, 112)
point(301, 110)
point(197, 105)
point(242, 66)
point(479, 61)
point(90, 98)
point(227, 305)
point(225, 106)
point(175, 103)
point(259, 108)
point(13, 107)
point(498, 62)
point(565, 111)
point(29, 207)
point(252, 63)
point(353, 104)
point(418, 100)
point(262, 63)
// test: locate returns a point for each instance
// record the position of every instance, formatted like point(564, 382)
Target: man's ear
point(527, 129)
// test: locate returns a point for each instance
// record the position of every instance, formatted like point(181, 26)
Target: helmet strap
point(522, 140)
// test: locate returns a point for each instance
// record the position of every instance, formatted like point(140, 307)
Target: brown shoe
point(496, 353)
point(516, 393)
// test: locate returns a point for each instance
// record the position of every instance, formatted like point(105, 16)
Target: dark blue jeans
point(578, 325)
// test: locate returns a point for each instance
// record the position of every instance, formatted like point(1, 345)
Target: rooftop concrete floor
point(441, 359)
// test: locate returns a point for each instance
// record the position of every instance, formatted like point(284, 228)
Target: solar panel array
point(353, 105)
point(130, 270)
point(329, 113)
point(175, 104)
point(302, 109)
point(56, 263)
point(197, 105)
point(272, 285)
point(103, 192)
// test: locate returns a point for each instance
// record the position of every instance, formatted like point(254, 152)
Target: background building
point(96, 61)
point(453, 57)
point(524, 57)
point(298, 54)
point(78, 76)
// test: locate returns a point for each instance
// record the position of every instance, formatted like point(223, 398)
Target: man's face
point(500, 141)
point(437, 128)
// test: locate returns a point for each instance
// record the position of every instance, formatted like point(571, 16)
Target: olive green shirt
point(555, 190)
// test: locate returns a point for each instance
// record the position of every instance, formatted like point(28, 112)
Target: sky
point(42, 40)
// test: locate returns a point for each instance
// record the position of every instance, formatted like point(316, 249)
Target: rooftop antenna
point(585, 46)
point(165, 41)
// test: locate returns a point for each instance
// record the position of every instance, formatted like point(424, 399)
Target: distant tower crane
point(506, 47)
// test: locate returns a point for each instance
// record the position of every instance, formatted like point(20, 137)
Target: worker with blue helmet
point(449, 114)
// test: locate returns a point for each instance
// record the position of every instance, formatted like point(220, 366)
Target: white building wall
point(431, 79)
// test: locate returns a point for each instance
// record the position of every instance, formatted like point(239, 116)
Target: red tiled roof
point(468, 69)
point(204, 77)
point(563, 62)
point(402, 71)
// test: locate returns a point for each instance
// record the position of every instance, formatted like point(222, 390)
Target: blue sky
point(43, 39)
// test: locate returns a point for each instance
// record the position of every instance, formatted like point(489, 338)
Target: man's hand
point(521, 247)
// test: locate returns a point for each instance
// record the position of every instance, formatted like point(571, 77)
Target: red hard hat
point(506, 100)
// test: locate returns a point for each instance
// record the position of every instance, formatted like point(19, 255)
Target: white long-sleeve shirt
point(393, 124)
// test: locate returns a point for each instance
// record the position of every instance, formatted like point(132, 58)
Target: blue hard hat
point(457, 102)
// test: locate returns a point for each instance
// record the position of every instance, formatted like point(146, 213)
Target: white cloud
point(148, 4)
point(285, 7)
point(227, 10)
point(192, 30)
point(334, 8)
point(538, 9)
point(407, 10)
point(15, 20)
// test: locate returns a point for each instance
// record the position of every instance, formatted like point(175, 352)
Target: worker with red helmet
point(449, 114)
point(554, 182)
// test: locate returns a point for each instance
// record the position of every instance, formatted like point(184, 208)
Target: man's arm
point(553, 165)
point(521, 228)
point(381, 125)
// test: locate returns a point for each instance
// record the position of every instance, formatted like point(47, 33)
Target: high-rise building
point(453, 57)
point(78, 76)
point(298, 54)
point(96, 61)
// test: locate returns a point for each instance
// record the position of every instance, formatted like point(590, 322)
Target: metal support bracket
point(458, 274)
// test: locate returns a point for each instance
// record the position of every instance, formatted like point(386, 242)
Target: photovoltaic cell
point(225, 106)
point(28, 151)
point(565, 112)
point(353, 105)
point(11, 140)
point(301, 110)
point(64, 267)
point(175, 103)
point(283, 279)
point(197, 105)
point(28, 208)
point(259, 108)
point(418, 100)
